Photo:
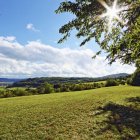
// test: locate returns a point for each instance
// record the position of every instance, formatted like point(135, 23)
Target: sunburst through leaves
point(112, 14)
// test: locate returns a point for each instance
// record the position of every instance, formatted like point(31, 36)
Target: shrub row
point(13, 93)
point(47, 88)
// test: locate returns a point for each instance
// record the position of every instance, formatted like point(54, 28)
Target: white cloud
point(31, 27)
point(38, 59)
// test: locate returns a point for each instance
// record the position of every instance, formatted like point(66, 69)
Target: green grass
point(14, 88)
point(107, 113)
point(101, 82)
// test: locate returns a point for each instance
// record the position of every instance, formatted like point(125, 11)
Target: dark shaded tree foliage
point(111, 82)
point(122, 43)
point(135, 81)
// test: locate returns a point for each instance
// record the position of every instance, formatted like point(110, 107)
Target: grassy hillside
point(106, 113)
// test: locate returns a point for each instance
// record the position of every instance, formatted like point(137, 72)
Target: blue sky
point(33, 25)
point(16, 14)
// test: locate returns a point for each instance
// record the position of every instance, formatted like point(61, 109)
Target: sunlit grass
point(73, 115)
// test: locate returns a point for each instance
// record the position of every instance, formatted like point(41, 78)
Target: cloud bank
point(36, 59)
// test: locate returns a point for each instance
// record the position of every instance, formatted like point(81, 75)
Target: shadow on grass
point(134, 100)
point(122, 120)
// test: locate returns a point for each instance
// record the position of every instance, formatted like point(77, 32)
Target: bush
point(64, 88)
point(129, 81)
point(6, 94)
point(122, 82)
point(20, 92)
point(111, 82)
point(45, 88)
point(57, 90)
point(32, 91)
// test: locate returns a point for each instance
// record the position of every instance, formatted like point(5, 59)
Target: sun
point(112, 14)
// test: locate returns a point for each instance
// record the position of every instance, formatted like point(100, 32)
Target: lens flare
point(112, 14)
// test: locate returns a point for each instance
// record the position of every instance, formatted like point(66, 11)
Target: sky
point(29, 31)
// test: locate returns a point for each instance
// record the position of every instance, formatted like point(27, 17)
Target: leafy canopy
point(122, 42)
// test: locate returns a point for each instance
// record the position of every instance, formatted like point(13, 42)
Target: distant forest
point(35, 82)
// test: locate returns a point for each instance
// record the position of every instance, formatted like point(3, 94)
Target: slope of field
point(106, 113)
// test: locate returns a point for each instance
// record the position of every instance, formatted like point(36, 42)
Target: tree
point(45, 88)
point(135, 80)
point(111, 82)
point(122, 42)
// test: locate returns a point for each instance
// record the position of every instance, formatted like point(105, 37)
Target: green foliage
point(45, 88)
point(122, 43)
point(6, 94)
point(57, 90)
point(111, 82)
point(101, 114)
point(36, 82)
point(32, 91)
point(48, 88)
point(129, 81)
point(20, 92)
point(79, 87)
point(135, 80)
point(122, 82)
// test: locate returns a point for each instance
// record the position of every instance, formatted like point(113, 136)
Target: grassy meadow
point(107, 113)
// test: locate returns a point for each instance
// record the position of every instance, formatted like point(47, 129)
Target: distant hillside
point(120, 75)
point(34, 82)
point(9, 80)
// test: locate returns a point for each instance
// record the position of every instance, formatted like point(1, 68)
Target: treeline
point(35, 82)
point(47, 88)
point(134, 80)
point(5, 93)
